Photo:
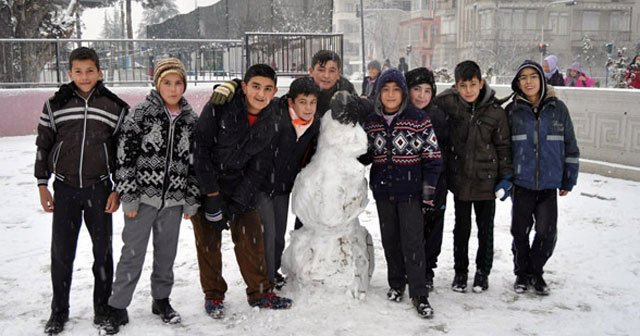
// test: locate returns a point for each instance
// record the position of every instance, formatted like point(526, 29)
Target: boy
point(422, 88)
point(478, 165)
point(157, 185)
point(546, 153)
point(232, 158)
point(369, 82)
point(406, 163)
point(293, 149)
point(76, 143)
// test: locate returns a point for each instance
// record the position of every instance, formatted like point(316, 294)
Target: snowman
point(332, 249)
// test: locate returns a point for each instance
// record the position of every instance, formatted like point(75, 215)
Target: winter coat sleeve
point(205, 140)
point(571, 153)
point(431, 156)
point(255, 173)
point(129, 146)
point(44, 142)
point(502, 143)
point(193, 189)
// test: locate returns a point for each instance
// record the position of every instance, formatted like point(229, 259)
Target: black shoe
point(459, 283)
point(100, 314)
point(480, 282)
point(56, 322)
point(539, 285)
point(395, 294)
point(521, 284)
point(117, 317)
point(279, 281)
point(422, 306)
point(163, 308)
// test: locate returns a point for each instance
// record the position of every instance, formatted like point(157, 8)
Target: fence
point(44, 62)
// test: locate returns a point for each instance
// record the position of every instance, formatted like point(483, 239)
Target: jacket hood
point(66, 91)
point(543, 80)
point(487, 95)
point(552, 61)
point(391, 75)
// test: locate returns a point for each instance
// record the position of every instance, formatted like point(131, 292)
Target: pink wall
point(20, 108)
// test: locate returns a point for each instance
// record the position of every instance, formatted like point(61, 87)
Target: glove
point(223, 93)
point(213, 214)
point(503, 188)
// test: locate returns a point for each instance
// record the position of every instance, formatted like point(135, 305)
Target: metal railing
point(44, 62)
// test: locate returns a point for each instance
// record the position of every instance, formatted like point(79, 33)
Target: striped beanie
point(167, 66)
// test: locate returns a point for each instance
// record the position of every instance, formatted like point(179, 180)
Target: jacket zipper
point(536, 141)
point(169, 155)
point(84, 135)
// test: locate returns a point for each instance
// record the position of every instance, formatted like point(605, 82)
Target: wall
point(606, 121)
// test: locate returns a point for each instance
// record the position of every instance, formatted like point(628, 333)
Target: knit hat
point(167, 66)
point(374, 65)
point(419, 76)
point(538, 68)
point(392, 75)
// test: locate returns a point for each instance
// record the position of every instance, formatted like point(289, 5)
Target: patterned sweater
point(155, 160)
point(405, 155)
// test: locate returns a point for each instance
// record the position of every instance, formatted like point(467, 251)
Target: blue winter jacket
point(544, 146)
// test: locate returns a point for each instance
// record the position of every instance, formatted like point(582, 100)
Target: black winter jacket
point(290, 154)
point(232, 157)
point(440, 127)
point(479, 151)
point(77, 136)
point(556, 79)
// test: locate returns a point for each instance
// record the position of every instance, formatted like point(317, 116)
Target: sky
point(93, 19)
point(593, 275)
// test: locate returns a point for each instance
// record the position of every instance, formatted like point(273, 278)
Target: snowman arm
point(206, 131)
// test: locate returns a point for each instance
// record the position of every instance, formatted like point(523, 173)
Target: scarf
point(299, 125)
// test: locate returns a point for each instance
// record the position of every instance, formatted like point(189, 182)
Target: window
point(619, 21)
point(531, 18)
point(591, 21)
point(349, 7)
point(559, 23)
point(518, 19)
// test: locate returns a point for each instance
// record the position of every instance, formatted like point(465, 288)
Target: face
point(545, 66)
point(171, 87)
point(573, 72)
point(529, 83)
point(373, 72)
point(258, 93)
point(84, 74)
point(421, 95)
point(325, 76)
point(304, 106)
point(391, 96)
point(470, 89)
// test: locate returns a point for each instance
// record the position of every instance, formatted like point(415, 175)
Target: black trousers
point(485, 212)
point(433, 231)
point(539, 207)
point(70, 206)
point(402, 231)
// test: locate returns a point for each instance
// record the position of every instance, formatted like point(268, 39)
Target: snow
point(594, 276)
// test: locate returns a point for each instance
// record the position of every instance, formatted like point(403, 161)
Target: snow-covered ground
point(594, 276)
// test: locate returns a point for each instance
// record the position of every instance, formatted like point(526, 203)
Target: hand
point(223, 93)
point(428, 206)
point(113, 203)
point(186, 216)
point(46, 200)
point(564, 192)
point(428, 193)
point(213, 214)
point(131, 214)
point(503, 189)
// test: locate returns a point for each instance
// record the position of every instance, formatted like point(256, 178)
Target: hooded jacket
point(155, 157)
point(77, 136)
point(575, 81)
point(405, 156)
point(479, 151)
point(545, 150)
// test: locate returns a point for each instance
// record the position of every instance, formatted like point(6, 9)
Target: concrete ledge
point(610, 169)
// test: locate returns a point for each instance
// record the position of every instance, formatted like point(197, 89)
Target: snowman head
point(347, 108)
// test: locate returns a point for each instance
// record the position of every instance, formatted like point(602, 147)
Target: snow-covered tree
point(155, 15)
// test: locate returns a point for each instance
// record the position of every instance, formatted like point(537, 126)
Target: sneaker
point(539, 285)
point(214, 308)
point(521, 284)
point(270, 300)
point(163, 308)
point(100, 313)
point(279, 280)
point(422, 306)
point(430, 282)
point(459, 283)
point(395, 294)
point(480, 282)
point(56, 322)
point(117, 317)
